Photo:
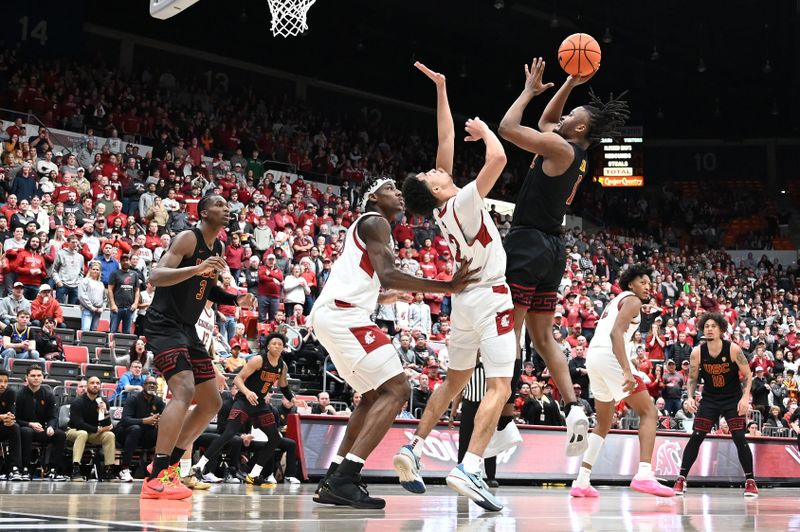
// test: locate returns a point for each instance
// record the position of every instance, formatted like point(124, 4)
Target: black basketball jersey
point(184, 301)
point(719, 374)
point(542, 201)
point(261, 381)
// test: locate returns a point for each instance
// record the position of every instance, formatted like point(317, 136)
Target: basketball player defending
point(535, 249)
point(482, 314)
point(718, 363)
point(254, 382)
point(362, 353)
point(611, 380)
point(185, 278)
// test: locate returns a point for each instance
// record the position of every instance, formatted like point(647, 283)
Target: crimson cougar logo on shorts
point(505, 321)
point(370, 337)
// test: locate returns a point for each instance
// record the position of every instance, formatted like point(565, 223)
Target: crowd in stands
point(85, 229)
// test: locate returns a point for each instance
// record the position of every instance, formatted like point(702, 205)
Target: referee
point(469, 399)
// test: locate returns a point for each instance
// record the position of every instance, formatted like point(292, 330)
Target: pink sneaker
point(581, 492)
point(651, 486)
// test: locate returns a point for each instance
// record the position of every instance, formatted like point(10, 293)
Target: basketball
point(579, 54)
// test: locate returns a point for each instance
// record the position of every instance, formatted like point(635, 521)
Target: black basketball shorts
point(535, 264)
point(259, 416)
point(177, 348)
point(712, 408)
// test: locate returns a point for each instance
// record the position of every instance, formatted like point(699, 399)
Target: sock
point(176, 455)
point(583, 477)
point(472, 463)
point(201, 464)
point(256, 471)
point(337, 459)
point(645, 469)
point(749, 476)
point(503, 421)
point(593, 448)
point(186, 465)
point(568, 407)
point(160, 463)
point(416, 445)
point(334, 465)
point(683, 472)
point(351, 465)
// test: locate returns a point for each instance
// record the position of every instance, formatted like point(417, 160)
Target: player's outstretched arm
point(495, 154)
point(167, 273)
point(527, 138)
point(631, 308)
point(376, 232)
point(444, 121)
point(555, 107)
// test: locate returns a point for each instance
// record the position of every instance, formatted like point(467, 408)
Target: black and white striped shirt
point(476, 387)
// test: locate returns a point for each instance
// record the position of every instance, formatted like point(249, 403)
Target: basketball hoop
point(289, 16)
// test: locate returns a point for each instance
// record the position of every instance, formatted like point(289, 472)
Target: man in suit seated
point(90, 422)
point(138, 427)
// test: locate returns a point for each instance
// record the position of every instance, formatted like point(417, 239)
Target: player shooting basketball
point(535, 248)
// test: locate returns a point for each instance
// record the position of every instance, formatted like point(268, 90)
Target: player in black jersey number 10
point(718, 363)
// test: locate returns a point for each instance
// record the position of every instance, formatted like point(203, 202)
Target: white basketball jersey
point(485, 247)
point(602, 333)
point(205, 327)
point(353, 280)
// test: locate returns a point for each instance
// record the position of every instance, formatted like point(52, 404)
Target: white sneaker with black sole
point(125, 475)
point(577, 431)
point(211, 478)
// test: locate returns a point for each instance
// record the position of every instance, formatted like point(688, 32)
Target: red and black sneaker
point(750, 488)
point(680, 486)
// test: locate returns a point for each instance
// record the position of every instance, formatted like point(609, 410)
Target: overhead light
point(499, 4)
point(767, 67)
point(775, 111)
point(660, 113)
point(243, 16)
point(655, 55)
point(554, 21)
point(783, 192)
point(701, 65)
point(607, 37)
point(360, 46)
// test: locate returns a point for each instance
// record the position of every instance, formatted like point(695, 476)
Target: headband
point(375, 186)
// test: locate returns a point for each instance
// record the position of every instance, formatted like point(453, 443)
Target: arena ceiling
point(749, 51)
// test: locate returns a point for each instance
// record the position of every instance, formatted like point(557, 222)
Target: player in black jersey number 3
point(534, 247)
point(717, 363)
point(186, 276)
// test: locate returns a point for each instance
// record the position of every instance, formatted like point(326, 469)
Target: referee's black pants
point(468, 411)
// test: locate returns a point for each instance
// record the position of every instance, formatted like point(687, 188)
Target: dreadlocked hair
point(606, 118)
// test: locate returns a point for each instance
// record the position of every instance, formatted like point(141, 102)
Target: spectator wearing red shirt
point(45, 305)
point(444, 260)
point(10, 208)
point(655, 342)
point(234, 252)
point(576, 333)
point(427, 266)
point(117, 214)
point(228, 314)
point(761, 359)
point(152, 239)
point(240, 339)
point(407, 251)
point(30, 266)
point(572, 310)
point(403, 231)
point(270, 282)
point(589, 319)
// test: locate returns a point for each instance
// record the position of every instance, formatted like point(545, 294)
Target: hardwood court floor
point(114, 506)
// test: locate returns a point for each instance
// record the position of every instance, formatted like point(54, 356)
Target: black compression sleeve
point(221, 297)
point(287, 393)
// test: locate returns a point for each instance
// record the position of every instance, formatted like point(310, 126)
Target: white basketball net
point(289, 16)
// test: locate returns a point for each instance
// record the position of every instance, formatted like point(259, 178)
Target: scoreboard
point(619, 162)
